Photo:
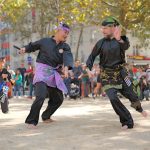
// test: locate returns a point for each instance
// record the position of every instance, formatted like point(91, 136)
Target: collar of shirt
point(52, 37)
point(109, 39)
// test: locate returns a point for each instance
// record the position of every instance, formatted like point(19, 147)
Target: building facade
point(89, 37)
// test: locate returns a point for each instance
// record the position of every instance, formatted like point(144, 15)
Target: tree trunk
point(78, 44)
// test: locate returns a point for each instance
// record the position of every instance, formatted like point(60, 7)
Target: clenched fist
point(22, 50)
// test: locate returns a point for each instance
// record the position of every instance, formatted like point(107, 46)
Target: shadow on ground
point(80, 125)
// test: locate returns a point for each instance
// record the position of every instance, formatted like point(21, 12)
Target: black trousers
point(4, 106)
point(119, 108)
point(41, 92)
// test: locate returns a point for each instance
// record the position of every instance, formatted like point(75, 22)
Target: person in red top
point(30, 69)
point(134, 70)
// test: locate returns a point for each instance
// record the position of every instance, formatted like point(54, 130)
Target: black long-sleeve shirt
point(111, 52)
point(51, 53)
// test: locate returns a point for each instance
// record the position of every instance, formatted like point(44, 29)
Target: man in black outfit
point(53, 52)
point(114, 76)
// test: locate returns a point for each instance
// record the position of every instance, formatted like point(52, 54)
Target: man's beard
point(109, 36)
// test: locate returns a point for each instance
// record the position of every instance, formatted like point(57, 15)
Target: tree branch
point(137, 10)
point(140, 19)
point(108, 4)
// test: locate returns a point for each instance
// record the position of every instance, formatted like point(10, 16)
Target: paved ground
point(81, 125)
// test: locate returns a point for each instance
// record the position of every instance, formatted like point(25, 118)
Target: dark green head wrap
point(109, 21)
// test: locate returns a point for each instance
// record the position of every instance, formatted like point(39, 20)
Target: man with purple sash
point(53, 53)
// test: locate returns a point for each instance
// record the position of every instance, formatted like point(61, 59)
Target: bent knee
point(60, 101)
point(137, 106)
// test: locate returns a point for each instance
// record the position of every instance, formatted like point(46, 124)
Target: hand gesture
point(66, 72)
point(117, 33)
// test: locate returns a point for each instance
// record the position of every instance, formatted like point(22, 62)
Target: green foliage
point(133, 14)
point(12, 10)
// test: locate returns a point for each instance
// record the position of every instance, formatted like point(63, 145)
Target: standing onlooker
point(2, 63)
point(93, 79)
point(148, 74)
point(12, 73)
point(5, 78)
point(18, 83)
point(144, 88)
point(77, 70)
point(84, 82)
point(148, 77)
point(30, 80)
point(23, 71)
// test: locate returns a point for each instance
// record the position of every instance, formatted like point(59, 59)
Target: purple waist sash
point(50, 76)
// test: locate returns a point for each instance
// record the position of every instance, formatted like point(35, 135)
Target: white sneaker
point(19, 97)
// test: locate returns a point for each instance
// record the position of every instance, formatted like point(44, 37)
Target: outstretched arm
point(95, 52)
point(67, 59)
point(31, 47)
